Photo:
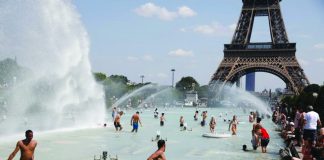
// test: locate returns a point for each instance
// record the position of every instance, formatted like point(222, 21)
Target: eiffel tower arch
point(276, 57)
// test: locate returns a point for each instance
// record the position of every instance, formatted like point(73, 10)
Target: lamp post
point(172, 70)
point(142, 77)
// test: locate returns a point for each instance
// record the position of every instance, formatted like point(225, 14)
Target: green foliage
point(203, 91)
point(186, 84)
point(306, 99)
point(119, 79)
point(99, 77)
point(311, 95)
point(319, 103)
point(116, 86)
point(113, 88)
point(312, 88)
point(10, 69)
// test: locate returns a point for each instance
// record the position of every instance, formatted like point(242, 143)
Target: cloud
point(183, 30)
point(152, 10)
point(181, 53)
point(213, 29)
point(147, 58)
point(162, 75)
point(185, 11)
point(132, 59)
point(319, 46)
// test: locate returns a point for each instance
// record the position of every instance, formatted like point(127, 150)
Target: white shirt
point(311, 120)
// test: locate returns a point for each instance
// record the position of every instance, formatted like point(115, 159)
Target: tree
point(319, 103)
point(312, 88)
point(99, 77)
point(203, 91)
point(187, 84)
point(10, 69)
point(119, 79)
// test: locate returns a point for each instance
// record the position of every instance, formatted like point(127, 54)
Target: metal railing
point(259, 46)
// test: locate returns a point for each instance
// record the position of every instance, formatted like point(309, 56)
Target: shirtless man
point(204, 116)
point(181, 121)
point(117, 121)
point(159, 154)
point(26, 147)
point(162, 119)
point(135, 120)
point(196, 115)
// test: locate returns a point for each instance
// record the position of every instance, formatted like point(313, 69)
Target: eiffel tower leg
point(298, 78)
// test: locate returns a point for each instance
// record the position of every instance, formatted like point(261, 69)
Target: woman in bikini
point(233, 123)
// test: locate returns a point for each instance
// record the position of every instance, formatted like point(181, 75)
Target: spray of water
point(136, 92)
point(237, 96)
point(166, 92)
point(48, 38)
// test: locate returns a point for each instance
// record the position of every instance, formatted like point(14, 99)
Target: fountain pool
point(83, 144)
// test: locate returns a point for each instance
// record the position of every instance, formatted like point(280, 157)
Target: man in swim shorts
point(135, 120)
point(117, 121)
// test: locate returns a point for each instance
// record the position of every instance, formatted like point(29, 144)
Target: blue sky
point(150, 38)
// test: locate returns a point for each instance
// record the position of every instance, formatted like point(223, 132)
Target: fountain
point(136, 92)
point(235, 96)
point(167, 91)
point(59, 91)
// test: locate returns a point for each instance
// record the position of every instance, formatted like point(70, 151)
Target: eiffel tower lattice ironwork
point(276, 57)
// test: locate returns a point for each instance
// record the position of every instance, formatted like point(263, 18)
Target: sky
point(140, 37)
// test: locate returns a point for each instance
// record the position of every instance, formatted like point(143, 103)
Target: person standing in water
point(117, 121)
point(204, 116)
point(181, 121)
point(114, 113)
point(233, 123)
point(251, 119)
point(265, 138)
point(255, 137)
point(26, 147)
point(212, 124)
point(159, 154)
point(156, 113)
point(135, 120)
point(162, 119)
point(196, 115)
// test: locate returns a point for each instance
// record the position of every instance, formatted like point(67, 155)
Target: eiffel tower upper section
point(276, 57)
point(243, 31)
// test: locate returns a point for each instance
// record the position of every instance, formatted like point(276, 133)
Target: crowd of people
point(260, 136)
point(301, 129)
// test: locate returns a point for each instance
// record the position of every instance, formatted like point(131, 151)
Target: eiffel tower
point(277, 57)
